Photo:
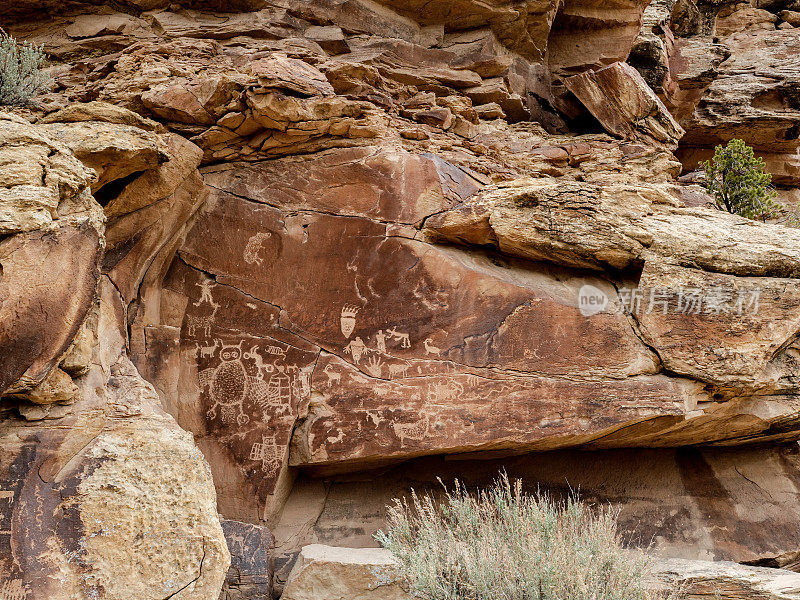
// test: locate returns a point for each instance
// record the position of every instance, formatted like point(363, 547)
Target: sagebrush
point(736, 179)
point(21, 74)
point(503, 544)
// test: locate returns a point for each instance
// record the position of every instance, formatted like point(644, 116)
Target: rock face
point(347, 246)
point(94, 476)
point(251, 572)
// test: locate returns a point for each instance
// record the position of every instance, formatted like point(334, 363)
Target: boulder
point(701, 578)
point(623, 103)
point(109, 482)
point(53, 242)
point(751, 98)
point(250, 574)
point(358, 573)
point(113, 150)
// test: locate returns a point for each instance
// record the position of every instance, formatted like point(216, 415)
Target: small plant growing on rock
point(21, 75)
point(503, 544)
point(738, 183)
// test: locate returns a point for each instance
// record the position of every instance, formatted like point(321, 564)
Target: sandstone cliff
point(283, 260)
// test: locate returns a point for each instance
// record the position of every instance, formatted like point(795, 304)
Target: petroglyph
point(205, 293)
point(253, 247)
point(403, 338)
point(347, 319)
point(380, 340)
point(430, 349)
point(229, 385)
point(13, 590)
point(6, 495)
point(398, 370)
point(356, 349)
point(270, 455)
point(333, 376)
point(374, 366)
point(208, 351)
point(194, 322)
point(444, 391)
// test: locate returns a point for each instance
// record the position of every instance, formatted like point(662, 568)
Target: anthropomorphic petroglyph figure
point(270, 455)
point(405, 342)
point(193, 323)
point(374, 366)
point(356, 349)
point(347, 320)
point(333, 376)
point(279, 387)
point(430, 348)
point(398, 369)
point(253, 247)
point(380, 340)
point(205, 293)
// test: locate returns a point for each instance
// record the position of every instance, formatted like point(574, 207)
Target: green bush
point(736, 180)
point(21, 75)
point(502, 544)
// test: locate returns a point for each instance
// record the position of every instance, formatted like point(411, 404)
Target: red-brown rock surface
point(343, 247)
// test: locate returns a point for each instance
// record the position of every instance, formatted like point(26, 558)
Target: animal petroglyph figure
point(358, 378)
point(405, 342)
point(444, 391)
point(333, 376)
point(208, 351)
point(229, 386)
point(237, 541)
point(398, 369)
point(374, 366)
point(193, 323)
point(253, 247)
point(415, 431)
point(356, 349)
point(205, 293)
point(262, 367)
point(430, 348)
point(473, 380)
point(347, 320)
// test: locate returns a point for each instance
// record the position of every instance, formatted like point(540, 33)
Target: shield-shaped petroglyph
point(347, 321)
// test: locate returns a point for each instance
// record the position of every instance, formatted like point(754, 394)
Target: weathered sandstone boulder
point(700, 579)
point(357, 573)
point(620, 99)
point(94, 476)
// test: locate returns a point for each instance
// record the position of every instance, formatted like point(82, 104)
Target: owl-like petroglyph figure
point(230, 386)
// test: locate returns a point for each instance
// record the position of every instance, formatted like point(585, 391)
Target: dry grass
point(503, 544)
